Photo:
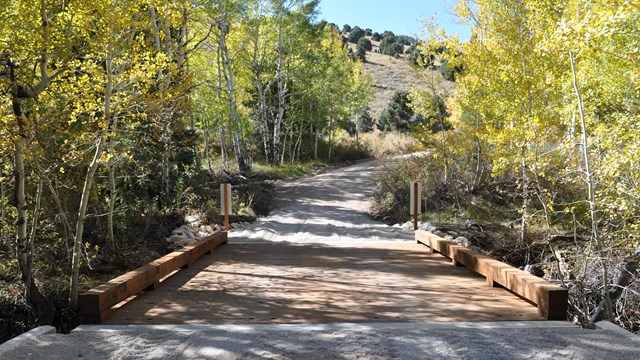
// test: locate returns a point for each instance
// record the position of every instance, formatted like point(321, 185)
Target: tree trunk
point(315, 145)
point(282, 88)
point(282, 153)
point(166, 163)
point(161, 31)
point(525, 197)
point(591, 196)
point(34, 228)
point(40, 306)
point(207, 150)
point(112, 202)
point(479, 172)
point(76, 260)
point(224, 154)
point(3, 212)
point(22, 252)
point(330, 139)
point(238, 141)
point(261, 116)
point(445, 158)
point(296, 149)
point(357, 132)
point(66, 225)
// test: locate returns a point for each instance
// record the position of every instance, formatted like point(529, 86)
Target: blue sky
point(400, 16)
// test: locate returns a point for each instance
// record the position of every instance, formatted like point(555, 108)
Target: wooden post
point(415, 206)
point(225, 194)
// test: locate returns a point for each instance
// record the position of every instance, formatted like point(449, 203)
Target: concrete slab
point(21, 339)
point(366, 341)
point(477, 325)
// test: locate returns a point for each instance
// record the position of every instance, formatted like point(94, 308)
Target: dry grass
point(388, 144)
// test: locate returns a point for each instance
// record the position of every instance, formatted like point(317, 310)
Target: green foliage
point(346, 28)
point(406, 40)
point(449, 72)
point(365, 43)
point(361, 52)
point(432, 109)
point(418, 57)
point(399, 115)
point(364, 123)
point(516, 134)
point(114, 76)
point(391, 45)
point(356, 34)
point(376, 36)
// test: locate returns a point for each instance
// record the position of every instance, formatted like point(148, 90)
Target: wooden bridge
point(387, 281)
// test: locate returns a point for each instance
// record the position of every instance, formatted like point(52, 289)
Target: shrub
point(399, 115)
point(391, 46)
point(376, 36)
point(356, 34)
point(346, 28)
point(366, 43)
point(361, 53)
point(363, 123)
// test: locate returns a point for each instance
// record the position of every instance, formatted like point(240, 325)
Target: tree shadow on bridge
point(315, 283)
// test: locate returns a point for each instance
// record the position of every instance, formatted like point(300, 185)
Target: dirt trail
point(324, 208)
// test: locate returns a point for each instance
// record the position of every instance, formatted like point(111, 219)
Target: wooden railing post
point(414, 202)
point(225, 194)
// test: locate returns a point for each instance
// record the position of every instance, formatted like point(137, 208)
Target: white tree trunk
point(238, 142)
point(591, 197)
point(112, 204)
point(76, 259)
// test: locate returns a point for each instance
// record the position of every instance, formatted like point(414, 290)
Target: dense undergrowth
point(489, 213)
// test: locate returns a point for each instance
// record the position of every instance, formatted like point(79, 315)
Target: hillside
point(391, 74)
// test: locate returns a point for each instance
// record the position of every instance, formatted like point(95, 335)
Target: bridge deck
point(312, 283)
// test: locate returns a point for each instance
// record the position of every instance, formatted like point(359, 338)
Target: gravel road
point(331, 207)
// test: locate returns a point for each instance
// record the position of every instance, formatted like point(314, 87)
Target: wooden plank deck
point(311, 283)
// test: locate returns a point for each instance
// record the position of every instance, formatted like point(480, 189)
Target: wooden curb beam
point(96, 304)
point(551, 299)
